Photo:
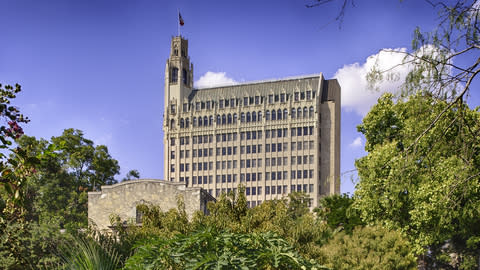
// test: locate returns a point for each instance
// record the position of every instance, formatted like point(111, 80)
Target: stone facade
point(122, 199)
point(274, 137)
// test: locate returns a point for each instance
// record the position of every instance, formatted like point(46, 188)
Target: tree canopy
point(430, 191)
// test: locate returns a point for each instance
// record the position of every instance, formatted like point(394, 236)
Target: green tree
point(337, 211)
point(368, 247)
point(431, 192)
point(70, 166)
point(212, 249)
point(132, 174)
point(15, 165)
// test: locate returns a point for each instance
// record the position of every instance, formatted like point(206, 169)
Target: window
point(174, 75)
point(294, 113)
point(270, 99)
point(267, 115)
point(184, 76)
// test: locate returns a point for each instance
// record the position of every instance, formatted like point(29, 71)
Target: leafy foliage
point(69, 166)
point(85, 253)
point(429, 191)
point(338, 212)
point(15, 169)
point(369, 248)
point(210, 249)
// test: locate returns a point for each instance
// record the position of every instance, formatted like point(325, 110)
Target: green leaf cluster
point(423, 178)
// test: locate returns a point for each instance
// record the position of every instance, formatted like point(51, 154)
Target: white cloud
point(356, 95)
point(212, 79)
point(356, 143)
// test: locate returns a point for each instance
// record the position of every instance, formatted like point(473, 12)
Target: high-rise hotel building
point(274, 136)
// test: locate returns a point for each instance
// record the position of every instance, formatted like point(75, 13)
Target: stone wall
point(121, 199)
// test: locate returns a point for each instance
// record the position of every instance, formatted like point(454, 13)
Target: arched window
point(294, 113)
point(210, 120)
point(242, 117)
point(299, 113)
point(174, 75)
point(259, 116)
point(184, 76)
point(218, 119)
point(279, 114)
point(310, 113)
point(200, 121)
point(305, 112)
point(285, 114)
point(172, 124)
point(187, 122)
point(229, 119)
point(254, 117)
point(235, 118)
point(248, 117)
point(182, 123)
point(205, 120)
point(224, 119)
point(194, 122)
point(267, 115)
point(274, 115)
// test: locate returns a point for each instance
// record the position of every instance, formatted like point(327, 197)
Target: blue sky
point(98, 66)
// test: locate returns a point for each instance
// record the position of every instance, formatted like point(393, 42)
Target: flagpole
point(178, 23)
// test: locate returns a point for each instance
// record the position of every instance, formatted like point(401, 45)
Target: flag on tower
point(180, 19)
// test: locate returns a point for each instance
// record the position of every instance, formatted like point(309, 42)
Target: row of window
point(247, 149)
point(228, 119)
point(247, 163)
point(247, 101)
point(247, 135)
point(273, 190)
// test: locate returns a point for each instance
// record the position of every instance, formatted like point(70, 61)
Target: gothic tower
point(178, 86)
point(178, 75)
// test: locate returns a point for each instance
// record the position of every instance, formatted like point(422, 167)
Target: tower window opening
point(174, 75)
point(184, 76)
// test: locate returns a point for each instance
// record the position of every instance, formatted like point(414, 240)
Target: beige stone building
point(122, 199)
point(274, 136)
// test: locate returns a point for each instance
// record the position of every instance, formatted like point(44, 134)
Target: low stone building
point(122, 199)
